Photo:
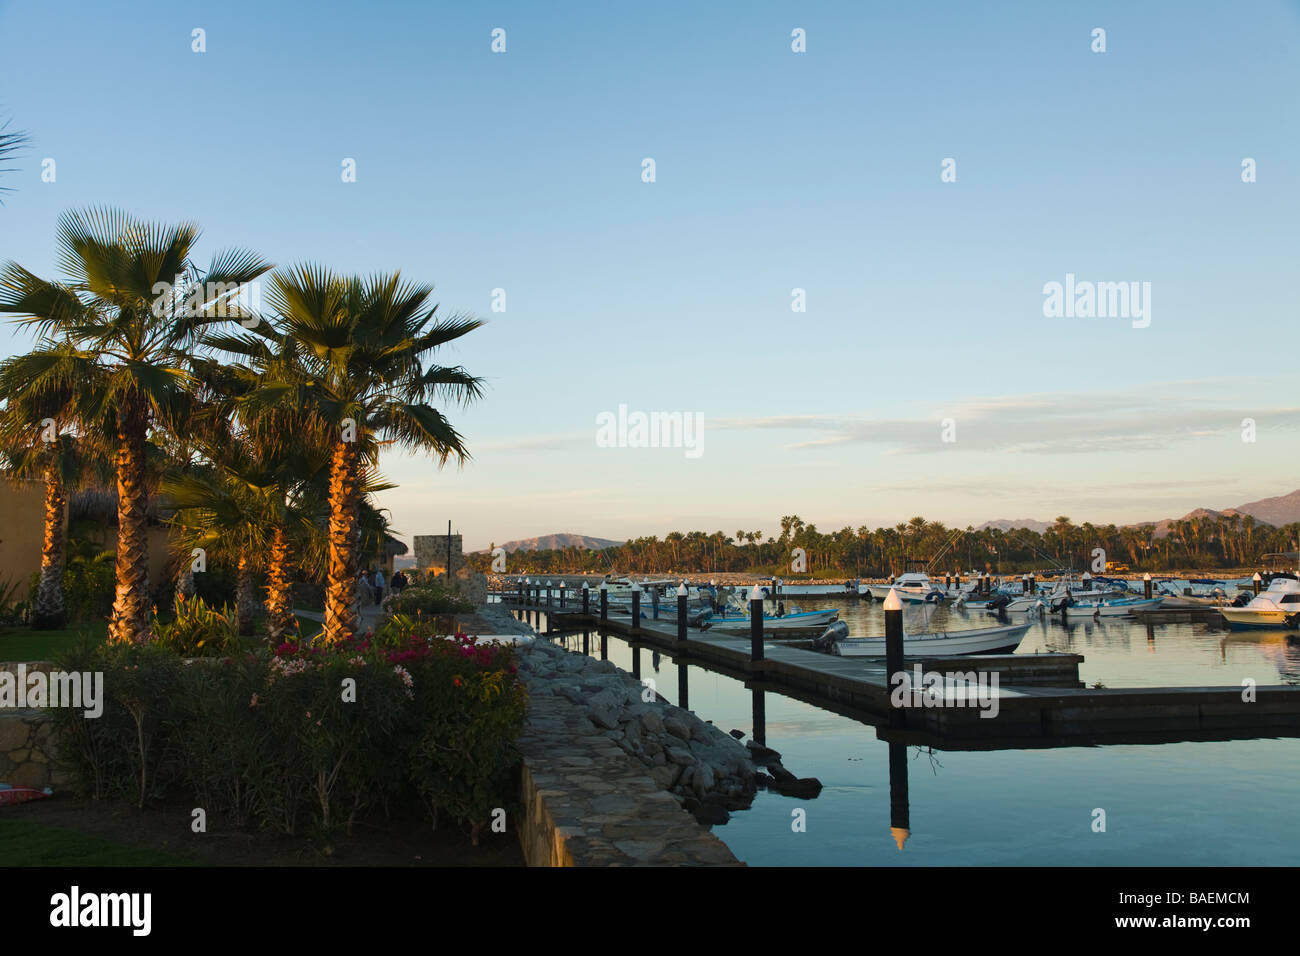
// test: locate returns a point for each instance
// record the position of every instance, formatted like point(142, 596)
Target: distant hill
point(554, 542)
point(1006, 524)
point(1278, 511)
point(1275, 511)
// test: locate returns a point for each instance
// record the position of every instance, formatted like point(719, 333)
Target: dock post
point(528, 590)
point(548, 593)
point(586, 598)
point(1146, 586)
point(755, 624)
point(1033, 583)
point(894, 648)
point(636, 606)
point(681, 612)
point(562, 583)
point(1024, 584)
point(604, 601)
point(1256, 581)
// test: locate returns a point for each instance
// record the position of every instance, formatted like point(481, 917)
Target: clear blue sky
point(775, 170)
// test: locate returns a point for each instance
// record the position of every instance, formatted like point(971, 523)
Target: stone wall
point(431, 552)
point(27, 754)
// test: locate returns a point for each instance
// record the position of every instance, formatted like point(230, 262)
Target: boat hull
point(983, 640)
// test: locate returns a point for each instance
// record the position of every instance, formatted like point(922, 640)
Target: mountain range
point(553, 542)
point(1276, 511)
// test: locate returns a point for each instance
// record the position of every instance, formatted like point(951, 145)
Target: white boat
point(917, 587)
point(1278, 607)
point(734, 621)
point(980, 640)
point(1109, 607)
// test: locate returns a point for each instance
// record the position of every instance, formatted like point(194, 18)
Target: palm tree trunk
point(185, 589)
point(245, 600)
point(340, 617)
point(279, 589)
point(50, 613)
point(130, 620)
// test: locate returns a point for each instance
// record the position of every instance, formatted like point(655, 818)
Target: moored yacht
point(1278, 606)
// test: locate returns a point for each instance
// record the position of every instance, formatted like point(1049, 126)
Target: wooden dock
point(1041, 702)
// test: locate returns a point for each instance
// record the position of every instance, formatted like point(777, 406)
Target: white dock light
point(604, 586)
point(681, 589)
point(893, 602)
point(756, 594)
point(636, 588)
point(1147, 576)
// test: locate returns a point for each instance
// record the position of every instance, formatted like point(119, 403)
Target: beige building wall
point(22, 530)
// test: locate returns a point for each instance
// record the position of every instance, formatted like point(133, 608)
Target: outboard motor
point(1061, 603)
point(999, 602)
point(829, 636)
point(1242, 600)
point(698, 617)
point(934, 596)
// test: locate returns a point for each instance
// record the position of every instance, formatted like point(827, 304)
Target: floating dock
point(1040, 700)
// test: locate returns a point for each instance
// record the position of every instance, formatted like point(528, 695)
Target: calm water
point(1200, 803)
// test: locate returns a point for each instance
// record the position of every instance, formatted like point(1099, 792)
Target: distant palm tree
point(365, 343)
point(11, 143)
point(127, 352)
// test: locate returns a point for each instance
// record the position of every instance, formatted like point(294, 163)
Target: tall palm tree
point(132, 304)
point(365, 346)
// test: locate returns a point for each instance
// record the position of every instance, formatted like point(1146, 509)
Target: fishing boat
point(980, 640)
point(733, 620)
point(1108, 607)
point(1278, 607)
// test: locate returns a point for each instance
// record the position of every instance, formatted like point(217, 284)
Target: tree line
point(1224, 541)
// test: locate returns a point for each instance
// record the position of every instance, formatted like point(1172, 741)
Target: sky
point(922, 377)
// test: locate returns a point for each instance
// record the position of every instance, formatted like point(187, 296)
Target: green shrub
point(426, 602)
point(197, 629)
point(317, 734)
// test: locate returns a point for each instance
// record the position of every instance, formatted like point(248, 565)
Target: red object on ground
point(11, 795)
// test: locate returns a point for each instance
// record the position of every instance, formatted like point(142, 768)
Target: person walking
point(399, 582)
point(379, 585)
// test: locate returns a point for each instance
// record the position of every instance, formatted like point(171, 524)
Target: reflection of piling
point(755, 625)
point(586, 642)
point(900, 823)
point(760, 717)
point(636, 661)
point(682, 689)
point(604, 647)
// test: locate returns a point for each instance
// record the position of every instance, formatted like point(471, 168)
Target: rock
point(653, 746)
point(570, 692)
point(659, 759)
point(761, 754)
point(780, 774)
point(602, 718)
point(652, 722)
point(679, 755)
point(677, 728)
point(737, 734)
point(665, 776)
point(805, 787)
point(711, 814)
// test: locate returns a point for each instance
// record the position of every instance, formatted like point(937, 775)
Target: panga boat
point(1107, 607)
point(1278, 606)
point(980, 640)
point(735, 621)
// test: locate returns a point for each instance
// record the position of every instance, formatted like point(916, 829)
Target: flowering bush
point(325, 733)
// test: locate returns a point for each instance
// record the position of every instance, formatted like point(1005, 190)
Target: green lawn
point(26, 644)
point(37, 844)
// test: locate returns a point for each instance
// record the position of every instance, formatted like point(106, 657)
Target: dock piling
point(756, 624)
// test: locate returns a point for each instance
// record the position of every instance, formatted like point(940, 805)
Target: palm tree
point(11, 143)
point(35, 447)
point(133, 303)
point(365, 343)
